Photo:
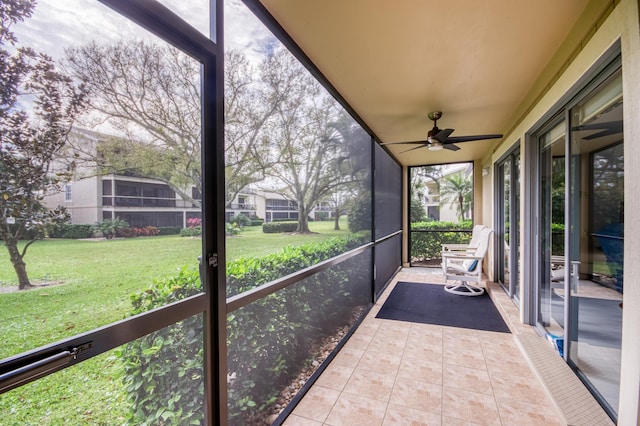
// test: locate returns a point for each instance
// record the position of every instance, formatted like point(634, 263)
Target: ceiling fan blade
point(458, 139)
point(417, 147)
point(601, 134)
point(609, 125)
point(450, 147)
point(606, 129)
point(442, 135)
point(407, 143)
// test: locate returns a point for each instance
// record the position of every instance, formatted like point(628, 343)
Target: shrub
point(322, 216)
point(257, 222)
point(231, 229)
point(147, 231)
point(428, 243)
point(191, 232)
point(359, 214)
point(268, 342)
point(109, 228)
point(278, 227)
point(169, 230)
point(194, 222)
point(240, 220)
point(71, 231)
point(164, 370)
point(128, 233)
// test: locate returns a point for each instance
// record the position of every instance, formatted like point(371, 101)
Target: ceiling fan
point(605, 129)
point(438, 139)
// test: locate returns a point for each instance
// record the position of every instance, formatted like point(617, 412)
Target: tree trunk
point(303, 221)
point(18, 264)
point(336, 221)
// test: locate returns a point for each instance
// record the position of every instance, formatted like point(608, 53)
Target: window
point(67, 193)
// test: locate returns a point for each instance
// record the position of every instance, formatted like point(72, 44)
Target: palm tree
point(457, 189)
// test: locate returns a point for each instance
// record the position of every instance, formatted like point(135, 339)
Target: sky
point(60, 24)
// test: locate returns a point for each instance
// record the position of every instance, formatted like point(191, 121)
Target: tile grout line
point(493, 392)
point(442, 384)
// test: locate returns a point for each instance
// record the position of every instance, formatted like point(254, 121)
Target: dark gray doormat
point(431, 304)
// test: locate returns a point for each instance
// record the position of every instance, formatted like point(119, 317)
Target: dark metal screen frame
point(408, 202)
point(161, 21)
point(34, 364)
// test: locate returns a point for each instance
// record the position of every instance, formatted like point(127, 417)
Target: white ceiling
point(395, 61)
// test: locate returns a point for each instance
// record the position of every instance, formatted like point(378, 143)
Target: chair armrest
point(461, 256)
point(456, 247)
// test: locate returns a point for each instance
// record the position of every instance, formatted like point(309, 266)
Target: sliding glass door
point(551, 229)
point(508, 222)
point(579, 235)
point(596, 235)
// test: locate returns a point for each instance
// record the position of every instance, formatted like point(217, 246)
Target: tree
point(38, 105)
point(417, 211)
point(151, 96)
point(457, 189)
point(307, 153)
point(249, 106)
point(419, 177)
point(355, 162)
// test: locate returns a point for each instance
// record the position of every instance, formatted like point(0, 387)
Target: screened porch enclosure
point(202, 116)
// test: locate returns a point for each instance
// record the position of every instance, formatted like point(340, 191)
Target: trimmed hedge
point(257, 222)
point(427, 245)
point(278, 227)
point(169, 230)
point(163, 371)
point(72, 231)
point(268, 341)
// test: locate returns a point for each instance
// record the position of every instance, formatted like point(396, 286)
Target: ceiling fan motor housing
point(435, 115)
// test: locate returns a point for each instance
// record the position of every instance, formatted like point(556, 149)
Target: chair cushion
point(470, 264)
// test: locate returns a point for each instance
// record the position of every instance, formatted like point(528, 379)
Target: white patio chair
point(464, 248)
point(473, 244)
point(464, 267)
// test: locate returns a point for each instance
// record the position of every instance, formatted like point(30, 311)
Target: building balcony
point(242, 206)
point(282, 208)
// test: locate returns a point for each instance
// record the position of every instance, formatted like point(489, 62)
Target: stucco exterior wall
point(86, 196)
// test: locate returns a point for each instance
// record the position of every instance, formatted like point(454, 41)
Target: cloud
point(245, 32)
point(57, 25)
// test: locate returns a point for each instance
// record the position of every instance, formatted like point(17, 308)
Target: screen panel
point(388, 200)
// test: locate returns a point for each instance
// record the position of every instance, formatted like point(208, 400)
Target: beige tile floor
point(401, 373)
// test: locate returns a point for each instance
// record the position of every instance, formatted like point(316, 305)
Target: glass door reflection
point(597, 238)
point(551, 297)
point(508, 223)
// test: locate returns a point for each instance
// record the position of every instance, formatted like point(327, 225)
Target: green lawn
point(98, 278)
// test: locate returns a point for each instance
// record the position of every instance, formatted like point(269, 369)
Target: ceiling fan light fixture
point(435, 146)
